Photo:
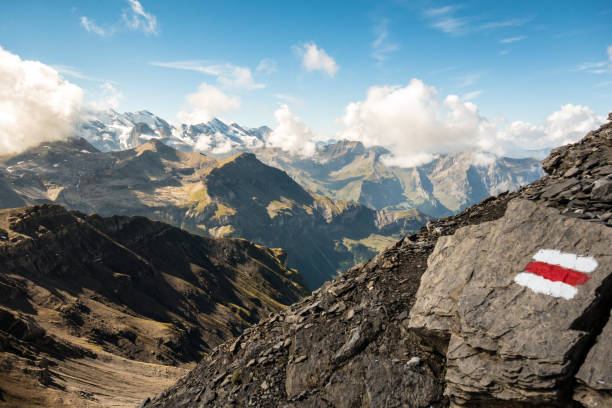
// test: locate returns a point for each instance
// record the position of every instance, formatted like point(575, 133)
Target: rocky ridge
point(357, 341)
point(235, 197)
point(349, 171)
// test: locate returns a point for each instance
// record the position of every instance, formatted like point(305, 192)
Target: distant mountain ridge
point(111, 131)
point(234, 197)
point(348, 170)
point(345, 170)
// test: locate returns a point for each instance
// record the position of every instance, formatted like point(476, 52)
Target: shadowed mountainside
point(83, 295)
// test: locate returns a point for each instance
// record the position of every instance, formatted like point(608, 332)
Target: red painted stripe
point(557, 273)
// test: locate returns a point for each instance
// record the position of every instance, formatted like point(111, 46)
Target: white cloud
point(36, 103)
point(609, 50)
point(468, 80)
point(67, 70)
point(92, 27)
point(512, 39)
point(289, 98)
point(316, 59)
point(228, 75)
point(567, 125)
point(381, 48)
point(415, 124)
point(267, 66)
point(446, 20)
point(592, 67)
point(441, 11)
point(208, 102)
point(471, 95)
point(217, 143)
point(291, 134)
point(136, 18)
point(511, 22)
point(111, 97)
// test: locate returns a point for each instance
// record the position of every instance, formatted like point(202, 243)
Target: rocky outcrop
point(470, 336)
point(510, 344)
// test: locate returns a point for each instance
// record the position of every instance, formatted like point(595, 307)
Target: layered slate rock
point(594, 388)
point(507, 342)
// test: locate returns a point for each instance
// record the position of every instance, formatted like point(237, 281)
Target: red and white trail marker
point(556, 273)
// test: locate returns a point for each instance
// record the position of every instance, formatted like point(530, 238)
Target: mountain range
point(234, 197)
point(345, 170)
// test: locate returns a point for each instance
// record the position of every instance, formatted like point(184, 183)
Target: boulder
point(513, 343)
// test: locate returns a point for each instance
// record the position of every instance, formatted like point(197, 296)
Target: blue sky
point(520, 60)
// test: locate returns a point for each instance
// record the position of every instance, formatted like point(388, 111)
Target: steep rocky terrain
point(437, 319)
point(234, 197)
point(96, 310)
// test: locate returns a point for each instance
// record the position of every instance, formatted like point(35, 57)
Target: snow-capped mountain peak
point(109, 130)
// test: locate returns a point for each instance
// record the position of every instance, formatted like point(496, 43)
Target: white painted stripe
point(586, 264)
point(540, 285)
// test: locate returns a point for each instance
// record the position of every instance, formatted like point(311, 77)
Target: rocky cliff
point(447, 316)
point(96, 309)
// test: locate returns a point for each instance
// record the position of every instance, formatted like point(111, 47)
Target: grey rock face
point(508, 342)
point(595, 375)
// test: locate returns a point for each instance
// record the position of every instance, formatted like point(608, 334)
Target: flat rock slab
point(510, 342)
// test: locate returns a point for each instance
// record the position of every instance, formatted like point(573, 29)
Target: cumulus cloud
point(136, 18)
point(227, 74)
point(316, 59)
point(416, 124)
point(291, 134)
point(267, 66)
point(36, 103)
point(413, 123)
point(216, 143)
point(208, 102)
point(567, 125)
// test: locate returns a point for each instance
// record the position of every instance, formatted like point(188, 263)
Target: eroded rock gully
point(437, 319)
